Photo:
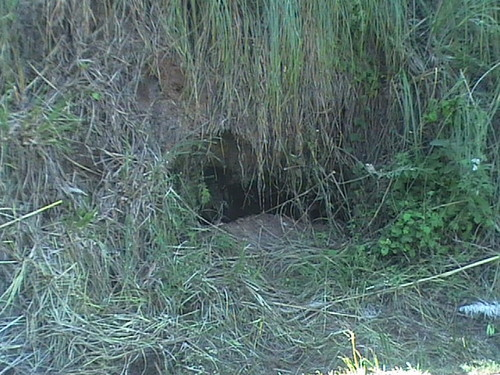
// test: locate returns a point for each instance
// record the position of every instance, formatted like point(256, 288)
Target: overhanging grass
point(117, 277)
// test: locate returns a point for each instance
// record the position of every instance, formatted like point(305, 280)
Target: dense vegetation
point(126, 127)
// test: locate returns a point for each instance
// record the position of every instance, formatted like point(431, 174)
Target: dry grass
point(121, 277)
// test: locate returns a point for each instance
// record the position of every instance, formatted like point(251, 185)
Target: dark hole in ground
point(231, 200)
point(233, 196)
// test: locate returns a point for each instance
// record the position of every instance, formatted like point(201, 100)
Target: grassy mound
point(130, 129)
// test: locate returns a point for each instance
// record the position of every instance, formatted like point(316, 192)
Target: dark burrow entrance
point(233, 194)
point(230, 198)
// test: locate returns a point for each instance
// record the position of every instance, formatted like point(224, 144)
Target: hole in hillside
point(233, 194)
point(233, 197)
point(231, 200)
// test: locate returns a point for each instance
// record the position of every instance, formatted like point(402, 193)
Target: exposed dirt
point(264, 230)
point(168, 119)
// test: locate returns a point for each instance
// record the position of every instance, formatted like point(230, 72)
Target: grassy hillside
point(135, 133)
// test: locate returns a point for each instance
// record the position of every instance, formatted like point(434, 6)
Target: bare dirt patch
point(264, 230)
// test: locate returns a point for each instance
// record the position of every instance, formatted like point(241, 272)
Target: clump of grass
point(121, 277)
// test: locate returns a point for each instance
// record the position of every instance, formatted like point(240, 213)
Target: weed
point(448, 192)
point(44, 125)
point(314, 87)
point(358, 362)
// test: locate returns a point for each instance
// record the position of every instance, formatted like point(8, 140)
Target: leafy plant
point(358, 363)
point(449, 191)
point(412, 231)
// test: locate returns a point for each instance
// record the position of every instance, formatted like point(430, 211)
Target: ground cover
point(251, 187)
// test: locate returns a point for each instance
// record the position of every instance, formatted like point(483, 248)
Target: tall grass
point(326, 72)
point(10, 48)
point(121, 276)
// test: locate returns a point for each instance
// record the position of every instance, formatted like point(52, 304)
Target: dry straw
point(122, 277)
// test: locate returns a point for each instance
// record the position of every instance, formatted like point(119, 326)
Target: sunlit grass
point(121, 276)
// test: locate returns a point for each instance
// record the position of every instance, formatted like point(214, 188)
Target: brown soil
point(169, 118)
point(264, 230)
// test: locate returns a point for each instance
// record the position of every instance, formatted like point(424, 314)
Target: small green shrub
point(435, 202)
point(443, 193)
point(412, 231)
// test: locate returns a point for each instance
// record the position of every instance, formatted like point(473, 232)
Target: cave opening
point(229, 177)
point(232, 199)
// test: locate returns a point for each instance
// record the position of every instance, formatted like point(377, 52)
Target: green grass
point(105, 263)
point(218, 306)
